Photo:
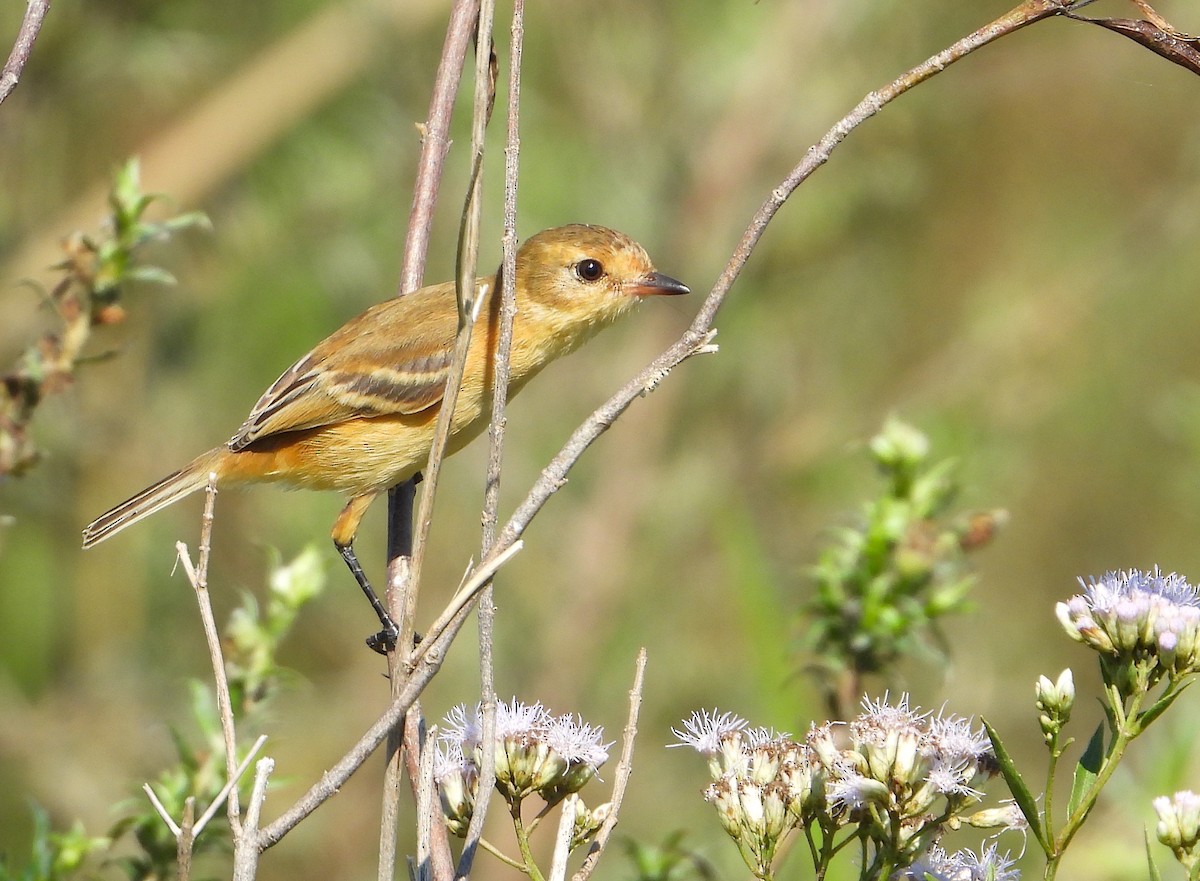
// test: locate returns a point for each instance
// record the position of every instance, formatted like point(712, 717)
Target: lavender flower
point(1145, 625)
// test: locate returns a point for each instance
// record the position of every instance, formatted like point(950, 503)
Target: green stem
point(1048, 812)
point(500, 855)
point(1122, 734)
point(530, 868)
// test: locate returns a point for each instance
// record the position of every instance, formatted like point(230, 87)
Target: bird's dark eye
point(589, 269)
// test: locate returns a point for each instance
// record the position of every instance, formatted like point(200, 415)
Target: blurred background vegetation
point(1005, 257)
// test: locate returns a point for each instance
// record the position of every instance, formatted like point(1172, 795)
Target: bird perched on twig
point(357, 414)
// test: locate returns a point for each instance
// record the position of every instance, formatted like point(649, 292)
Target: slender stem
point(35, 13)
point(501, 855)
point(1122, 733)
point(500, 380)
point(562, 838)
point(695, 340)
point(185, 840)
point(531, 867)
point(435, 141)
point(1051, 770)
point(197, 575)
point(624, 770)
point(470, 296)
point(402, 588)
point(250, 845)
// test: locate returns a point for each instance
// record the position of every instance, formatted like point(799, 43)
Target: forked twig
point(198, 577)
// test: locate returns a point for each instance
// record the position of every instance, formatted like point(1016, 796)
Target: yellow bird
point(357, 413)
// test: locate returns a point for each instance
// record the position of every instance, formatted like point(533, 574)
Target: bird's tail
point(153, 498)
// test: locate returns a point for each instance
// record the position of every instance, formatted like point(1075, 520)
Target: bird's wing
point(397, 364)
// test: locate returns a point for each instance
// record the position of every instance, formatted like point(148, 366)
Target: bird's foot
point(385, 640)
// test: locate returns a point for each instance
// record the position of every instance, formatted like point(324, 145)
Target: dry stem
point(621, 777)
point(35, 13)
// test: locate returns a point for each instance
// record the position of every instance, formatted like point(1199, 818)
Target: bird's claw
point(385, 640)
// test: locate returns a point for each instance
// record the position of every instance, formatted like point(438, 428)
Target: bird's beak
point(657, 284)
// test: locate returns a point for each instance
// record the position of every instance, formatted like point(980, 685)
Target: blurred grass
point(1005, 257)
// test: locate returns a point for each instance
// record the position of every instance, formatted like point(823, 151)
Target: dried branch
point(249, 847)
point(429, 659)
point(435, 141)
point(469, 298)
point(621, 778)
point(401, 591)
point(500, 379)
point(35, 13)
point(698, 337)
point(1155, 33)
point(198, 577)
point(562, 839)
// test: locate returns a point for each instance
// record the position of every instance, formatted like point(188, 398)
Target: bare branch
point(401, 591)
point(500, 379)
point(435, 141)
point(474, 581)
point(230, 785)
point(161, 810)
point(695, 340)
point(250, 845)
point(621, 778)
point(698, 337)
point(470, 298)
point(434, 652)
point(35, 13)
point(427, 807)
point(198, 576)
point(562, 839)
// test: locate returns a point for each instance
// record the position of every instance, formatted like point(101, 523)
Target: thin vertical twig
point(470, 297)
point(249, 845)
point(496, 428)
point(198, 576)
point(427, 807)
point(562, 839)
point(401, 588)
point(31, 24)
point(185, 840)
point(621, 777)
point(435, 141)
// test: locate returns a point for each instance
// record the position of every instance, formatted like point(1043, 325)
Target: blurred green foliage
point(882, 585)
point(86, 295)
point(1006, 257)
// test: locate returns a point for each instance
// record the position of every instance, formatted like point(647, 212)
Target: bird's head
point(580, 278)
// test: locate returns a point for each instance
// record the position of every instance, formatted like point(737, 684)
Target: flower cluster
point(896, 775)
point(965, 865)
point(535, 752)
point(1145, 625)
point(1179, 826)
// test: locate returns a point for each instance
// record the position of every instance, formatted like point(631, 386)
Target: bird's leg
point(385, 640)
point(344, 530)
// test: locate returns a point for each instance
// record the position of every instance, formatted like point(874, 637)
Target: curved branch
point(35, 13)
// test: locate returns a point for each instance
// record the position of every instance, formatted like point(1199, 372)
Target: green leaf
point(151, 275)
point(1086, 770)
point(187, 220)
point(1016, 785)
point(1151, 865)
